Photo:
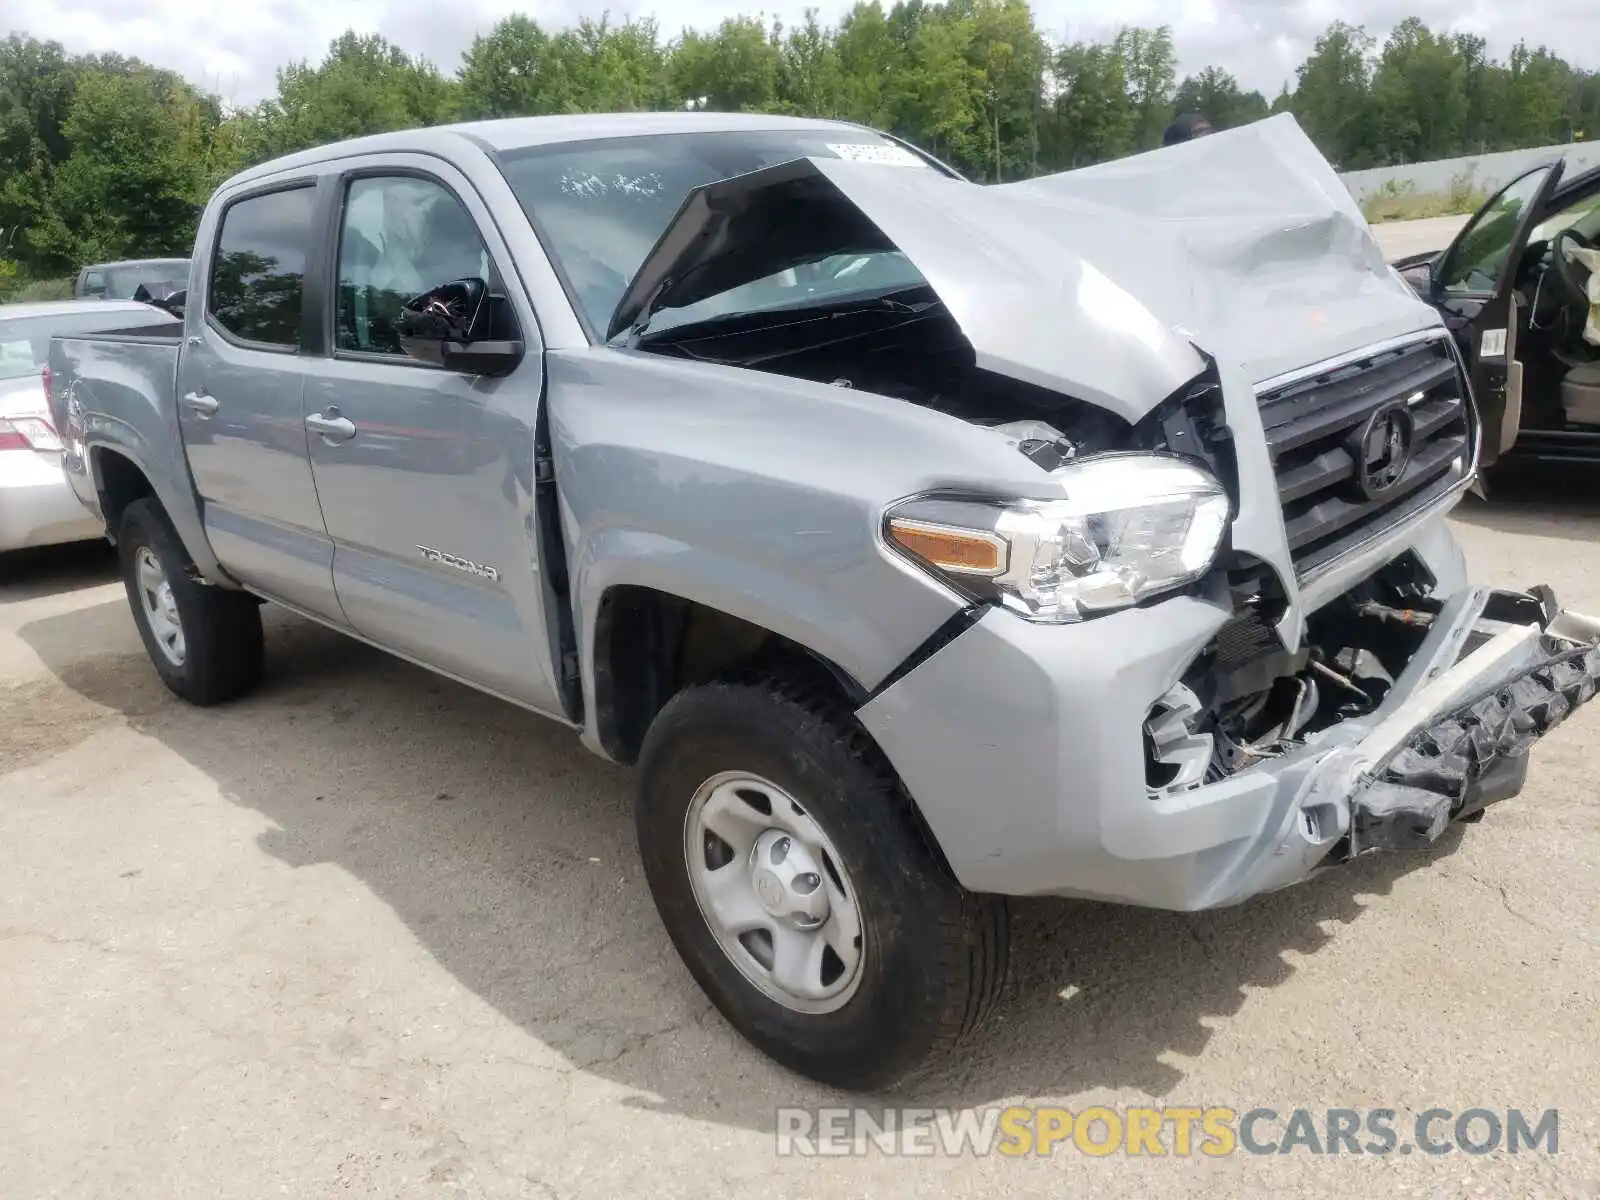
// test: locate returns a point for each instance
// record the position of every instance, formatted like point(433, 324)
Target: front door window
point(1474, 264)
point(402, 236)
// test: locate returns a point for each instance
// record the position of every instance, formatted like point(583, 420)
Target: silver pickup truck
point(923, 543)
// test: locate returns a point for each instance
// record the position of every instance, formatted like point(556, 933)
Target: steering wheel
point(1571, 275)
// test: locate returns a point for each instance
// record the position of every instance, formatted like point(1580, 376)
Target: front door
point(426, 474)
point(241, 376)
point(1474, 287)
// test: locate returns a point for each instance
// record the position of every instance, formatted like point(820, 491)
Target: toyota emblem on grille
point(1383, 450)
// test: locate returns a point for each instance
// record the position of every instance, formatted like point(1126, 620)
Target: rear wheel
point(801, 891)
point(205, 641)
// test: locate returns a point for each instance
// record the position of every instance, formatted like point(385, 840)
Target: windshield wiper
point(774, 318)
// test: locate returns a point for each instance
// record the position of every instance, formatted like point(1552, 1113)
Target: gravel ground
point(369, 933)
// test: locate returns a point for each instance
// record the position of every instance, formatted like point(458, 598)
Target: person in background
point(1185, 128)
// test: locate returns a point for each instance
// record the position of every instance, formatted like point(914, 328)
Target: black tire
point(935, 954)
point(223, 652)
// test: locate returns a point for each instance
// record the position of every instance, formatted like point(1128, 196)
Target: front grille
point(1315, 427)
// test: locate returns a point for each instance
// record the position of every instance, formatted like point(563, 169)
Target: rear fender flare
point(168, 481)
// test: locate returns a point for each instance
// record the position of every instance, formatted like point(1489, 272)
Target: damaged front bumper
point(1023, 749)
point(1461, 742)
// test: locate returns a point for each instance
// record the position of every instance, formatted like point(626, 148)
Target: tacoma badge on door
point(460, 564)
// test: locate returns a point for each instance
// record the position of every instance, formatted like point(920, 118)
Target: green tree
point(1483, 85)
point(1419, 101)
point(508, 71)
point(137, 174)
point(1095, 117)
point(1330, 100)
point(1150, 67)
point(868, 57)
point(1009, 59)
point(518, 69)
point(735, 68)
point(810, 74)
point(1216, 95)
point(365, 85)
point(1533, 108)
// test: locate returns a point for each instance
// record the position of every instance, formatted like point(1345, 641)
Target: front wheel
point(802, 893)
point(205, 641)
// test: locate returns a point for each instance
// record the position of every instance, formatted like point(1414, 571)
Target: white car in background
point(37, 506)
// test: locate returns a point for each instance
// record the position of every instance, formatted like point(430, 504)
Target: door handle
point(331, 426)
point(201, 404)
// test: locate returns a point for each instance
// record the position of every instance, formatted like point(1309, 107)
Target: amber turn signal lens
point(965, 551)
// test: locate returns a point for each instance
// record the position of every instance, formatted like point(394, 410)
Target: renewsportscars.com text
point(1212, 1132)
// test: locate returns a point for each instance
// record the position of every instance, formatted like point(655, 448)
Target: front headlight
point(1131, 526)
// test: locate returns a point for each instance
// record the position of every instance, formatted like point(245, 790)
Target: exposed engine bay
point(1247, 699)
point(905, 346)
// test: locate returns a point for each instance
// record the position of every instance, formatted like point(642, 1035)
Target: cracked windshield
point(601, 209)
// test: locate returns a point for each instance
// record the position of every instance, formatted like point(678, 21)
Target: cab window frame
point(342, 184)
point(305, 336)
point(1450, 259)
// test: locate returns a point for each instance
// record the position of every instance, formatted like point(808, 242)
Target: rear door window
point(257, 285)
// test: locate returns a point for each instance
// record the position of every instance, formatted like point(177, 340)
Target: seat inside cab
point(1560, 343)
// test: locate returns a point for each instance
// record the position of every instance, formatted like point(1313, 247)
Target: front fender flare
point(799, 609)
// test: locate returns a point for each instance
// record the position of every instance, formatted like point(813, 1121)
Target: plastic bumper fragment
point(1476, 753)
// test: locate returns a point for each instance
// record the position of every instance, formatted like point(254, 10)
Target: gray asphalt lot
point(369, 933)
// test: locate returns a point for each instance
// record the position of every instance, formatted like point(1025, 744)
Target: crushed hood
point(1100, 283)
point(1265, 256)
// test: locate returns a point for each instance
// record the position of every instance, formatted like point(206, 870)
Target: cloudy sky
point(232, 48)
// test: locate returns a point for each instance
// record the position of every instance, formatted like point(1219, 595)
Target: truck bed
point(124, 378)
point(168, 332)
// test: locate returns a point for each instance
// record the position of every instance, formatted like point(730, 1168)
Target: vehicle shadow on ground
point(30, 574)
point(508, 851)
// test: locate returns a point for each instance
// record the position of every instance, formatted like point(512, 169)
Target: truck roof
point(516, 132)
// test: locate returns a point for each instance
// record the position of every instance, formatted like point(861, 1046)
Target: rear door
point(426, 474)
point(241, 378)
point(1474, 287)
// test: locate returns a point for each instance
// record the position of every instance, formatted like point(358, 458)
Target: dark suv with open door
point(1514, 288)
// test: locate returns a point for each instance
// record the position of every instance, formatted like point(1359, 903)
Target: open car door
point(1473, 284)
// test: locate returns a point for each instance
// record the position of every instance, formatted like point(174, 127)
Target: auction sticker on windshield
point(892, 156)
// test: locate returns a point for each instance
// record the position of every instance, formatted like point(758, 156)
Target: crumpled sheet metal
point(1247, 238)
point(1439, 772)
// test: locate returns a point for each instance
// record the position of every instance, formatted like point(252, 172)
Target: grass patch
point(15, 291)
point(1400, 201)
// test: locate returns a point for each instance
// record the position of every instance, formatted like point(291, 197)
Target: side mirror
point(437, 328)
point(1420, 277)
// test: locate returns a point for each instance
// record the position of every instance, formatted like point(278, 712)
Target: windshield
point(25, 341)
point(601, 206)
point(1480, 254)
point(1581, 216)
